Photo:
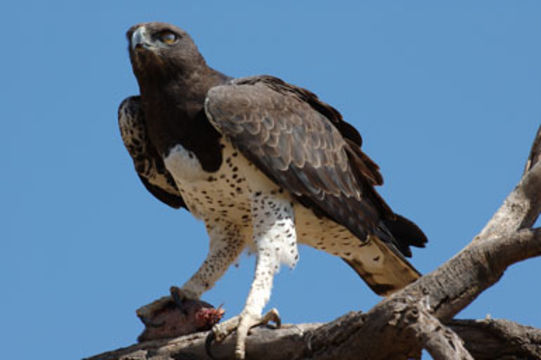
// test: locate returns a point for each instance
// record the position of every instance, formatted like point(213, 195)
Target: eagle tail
point(383, 270)
point(381, 263)
point(404, 234)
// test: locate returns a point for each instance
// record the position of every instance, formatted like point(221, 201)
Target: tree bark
point(416, 317)
point(485, 339)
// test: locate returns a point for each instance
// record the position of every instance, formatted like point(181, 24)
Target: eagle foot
point(242, 323)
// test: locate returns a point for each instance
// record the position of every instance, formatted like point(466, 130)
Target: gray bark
point(485, 339)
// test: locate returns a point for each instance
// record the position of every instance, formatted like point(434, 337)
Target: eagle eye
point(168, 37)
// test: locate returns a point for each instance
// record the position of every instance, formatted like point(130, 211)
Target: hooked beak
point(140, 39)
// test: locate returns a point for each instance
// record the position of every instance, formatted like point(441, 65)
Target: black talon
point(208, 344)
point(278, 323)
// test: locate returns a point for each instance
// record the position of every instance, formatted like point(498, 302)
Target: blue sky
point(447, 96)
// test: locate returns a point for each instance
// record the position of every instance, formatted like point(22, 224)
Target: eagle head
point(160, 50)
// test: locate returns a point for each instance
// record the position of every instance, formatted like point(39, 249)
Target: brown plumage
point(148, 164)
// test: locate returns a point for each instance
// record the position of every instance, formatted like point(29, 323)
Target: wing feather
point(286, 132)
point(148, 164)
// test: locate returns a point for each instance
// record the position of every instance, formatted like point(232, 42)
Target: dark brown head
point(160, 50)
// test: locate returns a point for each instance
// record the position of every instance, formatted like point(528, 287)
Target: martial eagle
point(265, 164)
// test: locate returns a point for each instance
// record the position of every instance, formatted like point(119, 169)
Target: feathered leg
point(275, 242)
point(226, 243)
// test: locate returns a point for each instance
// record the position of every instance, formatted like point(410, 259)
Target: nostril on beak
point(139, 38)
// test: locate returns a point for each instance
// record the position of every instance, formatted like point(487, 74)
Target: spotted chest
point(222, 195)
point(237, 193)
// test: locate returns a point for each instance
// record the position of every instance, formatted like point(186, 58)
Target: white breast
point(184, 165)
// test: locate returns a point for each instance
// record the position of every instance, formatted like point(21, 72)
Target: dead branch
point(489, 339)
point(486, 339)
point(439, 340)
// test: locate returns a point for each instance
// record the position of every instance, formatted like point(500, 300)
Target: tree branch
point(490, 339)
point(535, 152)
point(288, 342)
point(521, 208)
point(486, 339)
point(455, 284)
point(439, 340)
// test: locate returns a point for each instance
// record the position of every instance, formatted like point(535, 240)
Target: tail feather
point(405, 234)
point(382, 263)
point(383, 269)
